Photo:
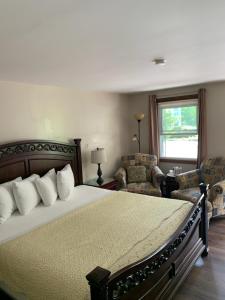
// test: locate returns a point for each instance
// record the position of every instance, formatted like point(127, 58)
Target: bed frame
point(156, 276)
point(37, 157)
point(24, 158)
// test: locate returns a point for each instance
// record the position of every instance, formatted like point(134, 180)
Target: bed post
point(204, 219)
point(78, 160)
point(97, 280)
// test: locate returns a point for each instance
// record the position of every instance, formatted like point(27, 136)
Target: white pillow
point(26, 194)
point(47, 187)
point(65, 182)
point(7, 201)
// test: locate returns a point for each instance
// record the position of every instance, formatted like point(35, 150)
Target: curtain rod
point(175, 98)
point(194, 92)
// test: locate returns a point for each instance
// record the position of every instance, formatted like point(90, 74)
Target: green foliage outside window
point(177, 120)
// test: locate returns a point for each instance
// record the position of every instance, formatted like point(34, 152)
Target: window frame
point(177, 99)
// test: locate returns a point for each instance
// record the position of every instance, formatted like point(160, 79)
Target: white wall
point(215, 118)
point(43, 112)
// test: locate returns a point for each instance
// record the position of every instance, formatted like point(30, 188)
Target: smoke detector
point(159, 61)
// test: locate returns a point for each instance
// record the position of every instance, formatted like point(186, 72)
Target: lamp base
point(99, 173)
point(99, 181)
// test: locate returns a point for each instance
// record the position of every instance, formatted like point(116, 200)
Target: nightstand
point(108, 184)
point(170, 185)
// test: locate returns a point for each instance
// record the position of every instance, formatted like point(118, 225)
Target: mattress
point(112, 231)
point(18, 225)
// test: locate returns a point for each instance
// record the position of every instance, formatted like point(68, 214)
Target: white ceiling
point(108, 45)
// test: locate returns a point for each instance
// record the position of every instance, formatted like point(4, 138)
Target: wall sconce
point(137, 138)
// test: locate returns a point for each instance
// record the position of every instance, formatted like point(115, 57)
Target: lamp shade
point(139, 116)
point(98, 156)
point(134, 138)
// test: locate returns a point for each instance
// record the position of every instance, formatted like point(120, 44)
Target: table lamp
point(98, 157)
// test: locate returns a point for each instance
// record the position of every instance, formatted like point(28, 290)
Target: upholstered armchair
point(140, 174)
point(212, 172)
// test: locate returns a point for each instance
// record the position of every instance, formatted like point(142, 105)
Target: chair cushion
point(191, 194)
point(143, 188)
point(136, 174)
point(140, 159)
point(147, 160)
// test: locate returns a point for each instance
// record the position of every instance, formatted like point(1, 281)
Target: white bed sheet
point(18, 225)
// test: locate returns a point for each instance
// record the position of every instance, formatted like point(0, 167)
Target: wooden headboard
point(24, 158)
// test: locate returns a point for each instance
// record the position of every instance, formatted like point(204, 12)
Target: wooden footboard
point(159, 275)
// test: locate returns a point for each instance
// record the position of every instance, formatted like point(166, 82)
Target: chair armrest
point(120, 176)
point(218, 188)
point(188, 179)
point(157, 176)
point(216, 196)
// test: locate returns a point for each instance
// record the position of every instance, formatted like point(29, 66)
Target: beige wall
point(42, 112)
point(100, 119)
point(215, 118)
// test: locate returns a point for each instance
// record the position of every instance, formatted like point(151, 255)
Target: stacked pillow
point(65, 182)
point(26, 194)
point(7, 201)
point(47, 187)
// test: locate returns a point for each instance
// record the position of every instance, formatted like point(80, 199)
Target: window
point(178, 129)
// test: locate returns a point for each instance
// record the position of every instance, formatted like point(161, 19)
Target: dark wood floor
point(207, 279)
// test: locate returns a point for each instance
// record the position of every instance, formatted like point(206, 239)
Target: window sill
point(178, 160)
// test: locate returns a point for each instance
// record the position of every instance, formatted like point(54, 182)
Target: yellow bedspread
point(51, 262)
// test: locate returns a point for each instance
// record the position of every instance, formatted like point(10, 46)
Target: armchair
point(212, 172)
point(140, 174)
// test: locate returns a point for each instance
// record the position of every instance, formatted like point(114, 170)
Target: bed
point(155, 274)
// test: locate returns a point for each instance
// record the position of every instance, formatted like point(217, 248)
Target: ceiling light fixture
point(159, 61)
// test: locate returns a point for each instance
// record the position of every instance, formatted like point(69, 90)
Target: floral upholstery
point(136, 174)
point(157, 176)
point(154, 175)
point(146, 188)
point(140, 159)
point(192, 195)
point(212, 172)
point(120, 176)
point(189, 179)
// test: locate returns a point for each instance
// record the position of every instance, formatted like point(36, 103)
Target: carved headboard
point(38, 156)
